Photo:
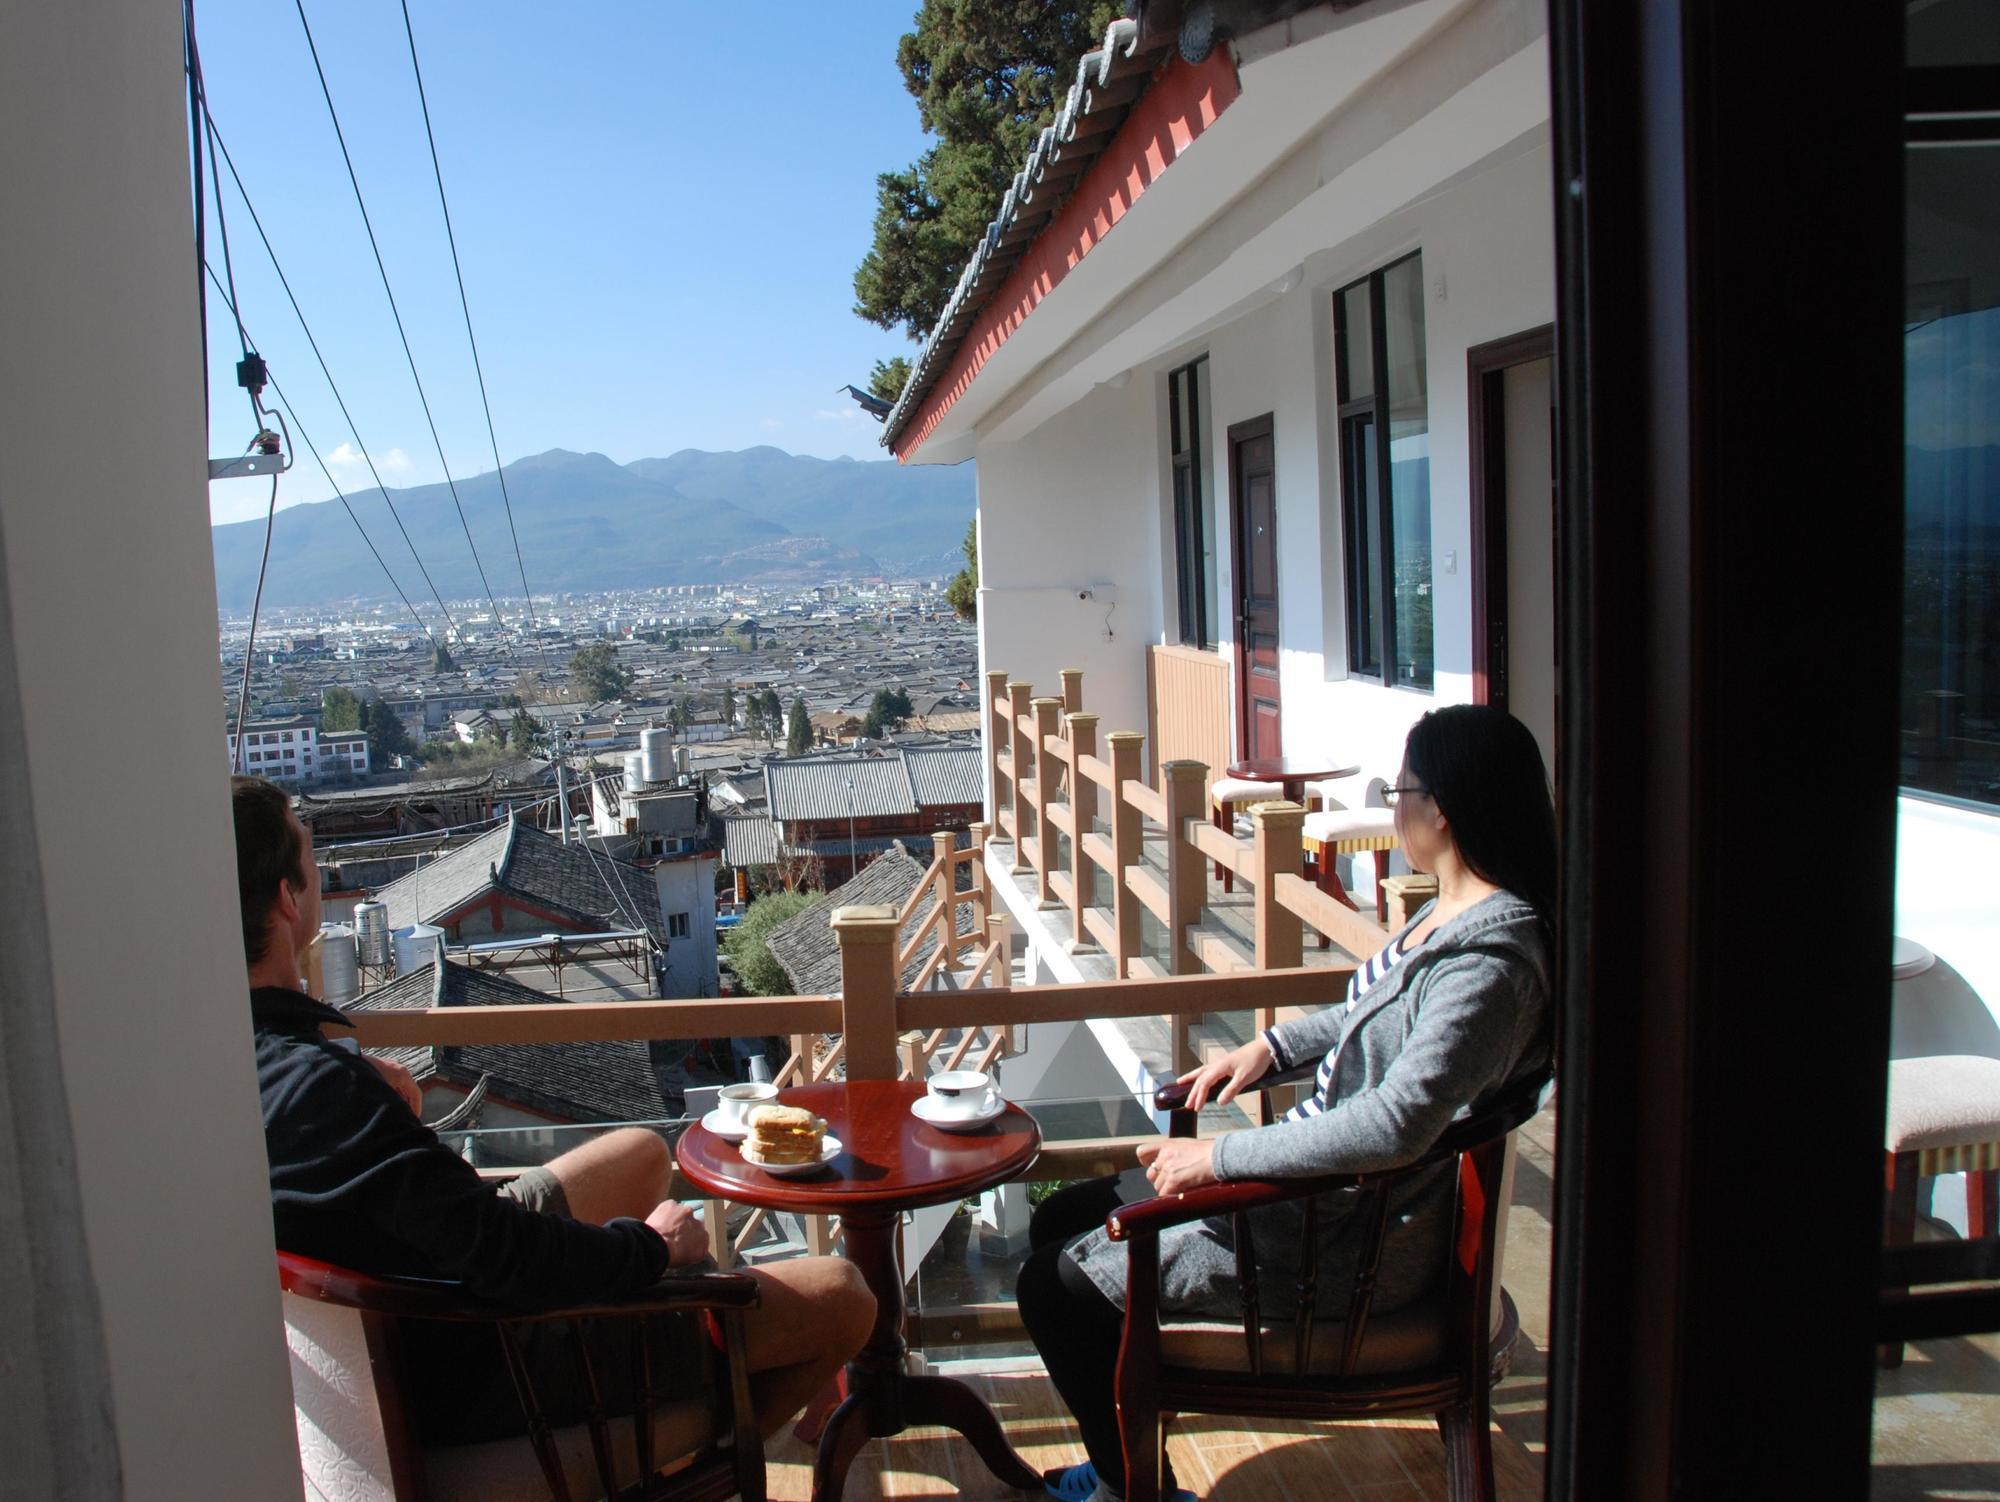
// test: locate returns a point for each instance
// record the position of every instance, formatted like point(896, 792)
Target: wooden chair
point(1441, 1355)
point(1332, 831)
point(356, 1441)
point(1225, 796)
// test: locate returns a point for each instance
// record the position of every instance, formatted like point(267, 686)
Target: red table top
point(889, 1160)
point(1286, 768)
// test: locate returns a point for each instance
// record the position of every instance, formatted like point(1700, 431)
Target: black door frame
point(1729, 676)
point(1486, 366)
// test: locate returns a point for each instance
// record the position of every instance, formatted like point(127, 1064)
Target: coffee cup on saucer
point(963, 1093)
point(736, 1102)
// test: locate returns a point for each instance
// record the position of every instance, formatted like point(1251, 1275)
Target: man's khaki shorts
point(538, 1189)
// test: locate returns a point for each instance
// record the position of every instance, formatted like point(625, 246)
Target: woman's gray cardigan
point(1464, 1015)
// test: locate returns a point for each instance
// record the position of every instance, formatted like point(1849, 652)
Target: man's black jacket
point(359, 1181)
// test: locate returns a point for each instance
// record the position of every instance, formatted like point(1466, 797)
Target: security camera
point(1083, 594)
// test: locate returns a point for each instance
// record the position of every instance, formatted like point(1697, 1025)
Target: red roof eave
point(1183, 100)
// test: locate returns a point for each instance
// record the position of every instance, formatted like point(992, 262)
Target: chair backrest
point(1478, 1146)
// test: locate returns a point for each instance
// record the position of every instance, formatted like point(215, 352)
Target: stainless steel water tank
point(371, 931)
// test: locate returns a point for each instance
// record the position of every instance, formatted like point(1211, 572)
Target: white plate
point(829, 1149)
point(925, 1111)
point(723, 1127)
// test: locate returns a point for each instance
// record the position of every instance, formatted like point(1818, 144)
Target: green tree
point(681, 715)
point(987, 76)
point(799, 738)
point(889, 377)
point(728, 706)
point(442, 661)
point(386, 735)
point(773, 713)
point(962, 594)
point(753, 715)
point(747, 947)
point(890, 709)
point(339, 709)
point(522, 729)
point(596, 674)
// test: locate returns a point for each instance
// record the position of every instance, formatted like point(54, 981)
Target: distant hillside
point(586, 523)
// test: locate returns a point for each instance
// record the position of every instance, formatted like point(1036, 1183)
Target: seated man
point(358, 1180)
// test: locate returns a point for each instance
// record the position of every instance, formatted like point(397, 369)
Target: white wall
point(1075, 505)
point(688, 886)
point(103, 499)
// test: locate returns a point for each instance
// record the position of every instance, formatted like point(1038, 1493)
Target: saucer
point(829, 1149)
point(927, 1113)
point(723, 1127)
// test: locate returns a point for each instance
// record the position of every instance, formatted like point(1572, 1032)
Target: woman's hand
point(1235, 1069)
point(1174, 1165)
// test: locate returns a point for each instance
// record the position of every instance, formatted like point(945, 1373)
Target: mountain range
point(585, 522)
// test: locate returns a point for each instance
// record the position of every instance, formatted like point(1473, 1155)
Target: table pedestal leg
point(882, 1399)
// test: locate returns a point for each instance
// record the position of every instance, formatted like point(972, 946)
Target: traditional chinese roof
point(517, 860)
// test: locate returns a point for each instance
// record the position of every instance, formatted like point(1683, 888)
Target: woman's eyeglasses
point(1390, 795)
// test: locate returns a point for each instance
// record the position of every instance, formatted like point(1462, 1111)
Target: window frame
point(685, 923)
point(1194, 545)
point(1380, 496)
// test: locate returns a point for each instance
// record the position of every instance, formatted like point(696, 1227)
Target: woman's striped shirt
point(1391, 955)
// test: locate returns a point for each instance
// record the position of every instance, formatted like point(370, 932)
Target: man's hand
point(1235, 1069)
point(681, 1229)
point(1174, 1165)
point(401, 1081)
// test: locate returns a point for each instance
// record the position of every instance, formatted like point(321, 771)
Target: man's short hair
point(268, 850)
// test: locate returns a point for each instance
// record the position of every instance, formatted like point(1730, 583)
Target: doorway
point(1514, 598)
point(1253, 503)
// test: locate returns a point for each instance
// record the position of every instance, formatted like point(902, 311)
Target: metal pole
point(562, 782)
point(853, 866)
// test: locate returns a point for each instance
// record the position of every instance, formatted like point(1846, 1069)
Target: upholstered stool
point(1351, 831)
point(1943, 1117)
point(1224, 794)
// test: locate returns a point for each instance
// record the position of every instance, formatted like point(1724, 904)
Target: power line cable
point(354, 180)
point(305, 438)
point(451, 626)
point(478, 370)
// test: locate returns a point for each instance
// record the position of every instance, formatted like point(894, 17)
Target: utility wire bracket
point(244, 466)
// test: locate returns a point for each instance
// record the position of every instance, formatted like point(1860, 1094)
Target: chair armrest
point(1150, 1217)
point(424, 1298)
point(1173, 1097)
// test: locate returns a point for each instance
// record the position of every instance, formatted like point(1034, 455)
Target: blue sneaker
point(1078, 1483)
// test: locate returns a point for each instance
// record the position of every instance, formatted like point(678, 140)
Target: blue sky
point(658, 206)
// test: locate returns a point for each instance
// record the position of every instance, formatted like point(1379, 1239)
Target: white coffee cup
point(736, 1102)
point(963, 1092)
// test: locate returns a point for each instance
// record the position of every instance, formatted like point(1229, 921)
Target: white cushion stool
point(1224, 794)
point(1351, 831)
point(1943, 1117)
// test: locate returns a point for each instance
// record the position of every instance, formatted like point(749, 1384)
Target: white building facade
point(296, 751)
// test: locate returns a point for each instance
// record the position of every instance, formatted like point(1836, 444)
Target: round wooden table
point(889, 1162)
point(1292, 773)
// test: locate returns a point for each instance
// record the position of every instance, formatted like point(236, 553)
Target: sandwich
point(783, 1134)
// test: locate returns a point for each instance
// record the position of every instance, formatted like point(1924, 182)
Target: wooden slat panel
point(1218, 845)
point(598, 1022)
point(1358, 934)
point(1190, 705)
point(1146, 800)
point(1149, 889)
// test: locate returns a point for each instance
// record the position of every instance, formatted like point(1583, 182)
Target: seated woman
point(1455, 1007)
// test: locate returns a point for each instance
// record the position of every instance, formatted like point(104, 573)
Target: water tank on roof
point(417, 946)
point(635, 769)
point(656, 748)
point(371, 930)
point(681, 761)
point(340, 979)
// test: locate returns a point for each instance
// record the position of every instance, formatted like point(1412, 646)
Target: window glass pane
point(1409, 471)
point(1357, 338)
point(1364, 542)
point(1951, 33)
point(1951, 568)
point(1209, 615)
point(1194, 547)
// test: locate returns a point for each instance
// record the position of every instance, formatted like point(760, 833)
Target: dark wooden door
point(1253, 506)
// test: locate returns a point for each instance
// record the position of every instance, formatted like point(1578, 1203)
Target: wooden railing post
point(1001, 977)
point(1083, 819)
point(1126, 844)
point(1047, 719)
point(1025, 760)
point(1276, 852)
point(910, 1050)
point(989, 720)
point(868, 980)
point(1184, 784)
point(982, 895)
point(1072, 690)
point(944, 845)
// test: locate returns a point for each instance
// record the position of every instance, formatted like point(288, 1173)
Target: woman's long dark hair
point(1482, 767)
